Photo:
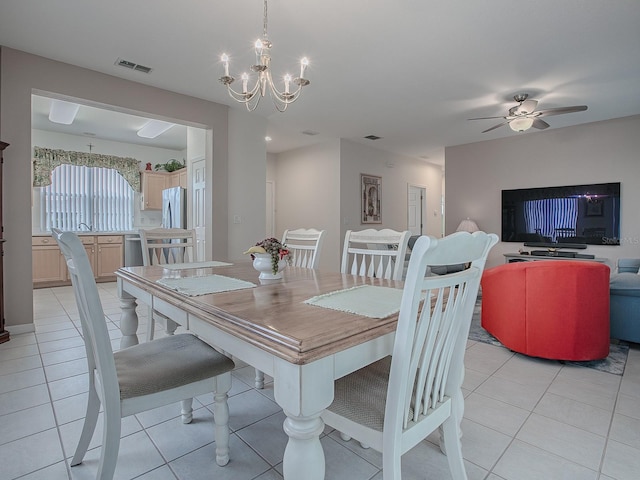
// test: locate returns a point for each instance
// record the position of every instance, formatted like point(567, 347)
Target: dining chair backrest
point(156, 250)
point(375, 253)
point(305, 246)
point(415, 386)
point(420, 375)
point(94, 327)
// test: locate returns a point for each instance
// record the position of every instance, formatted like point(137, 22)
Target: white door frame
point(416, 211)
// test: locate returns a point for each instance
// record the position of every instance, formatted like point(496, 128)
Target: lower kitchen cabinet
point(109, 257)
point(47, 261)
point(105, 254)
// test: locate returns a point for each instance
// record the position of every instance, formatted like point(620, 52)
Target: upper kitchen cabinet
point(154, 182)
point(152, 185)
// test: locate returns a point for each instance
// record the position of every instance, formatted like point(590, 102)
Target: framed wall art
point(371, 198)
point(594, 207)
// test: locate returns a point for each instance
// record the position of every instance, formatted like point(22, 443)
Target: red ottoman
point(557, 309)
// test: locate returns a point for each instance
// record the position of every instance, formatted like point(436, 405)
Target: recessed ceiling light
point(89, 134)
point(372, 137)
point(267, 138)
point(425, 157)
point(153, 128)
point(309, 132)
point(63, 112)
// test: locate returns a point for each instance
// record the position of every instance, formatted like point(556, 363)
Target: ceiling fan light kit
point(521, 124)
point(524, 115)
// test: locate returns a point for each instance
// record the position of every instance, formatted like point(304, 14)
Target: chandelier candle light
point(264, 83)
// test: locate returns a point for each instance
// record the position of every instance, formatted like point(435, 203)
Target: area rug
point(614, 363)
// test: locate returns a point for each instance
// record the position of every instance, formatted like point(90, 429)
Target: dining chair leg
point(151, 325)
point(221, 417)
point(453, 448)
point(187, 410)
point(110, 446)
point(391, 465)
point(90, 421)
point(170, 327)
point(259, 380)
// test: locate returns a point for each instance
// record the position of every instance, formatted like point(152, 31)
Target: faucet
point(87, 226)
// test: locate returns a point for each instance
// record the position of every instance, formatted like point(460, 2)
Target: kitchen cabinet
point(152, 185)
point(105, 253)
point(182, 177)
point(109, 257)
point(47, 261)
point(154, 182)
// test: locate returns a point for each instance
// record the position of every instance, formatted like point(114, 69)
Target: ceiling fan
point(524, 115)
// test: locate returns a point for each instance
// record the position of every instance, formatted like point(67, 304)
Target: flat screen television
point(572, 216)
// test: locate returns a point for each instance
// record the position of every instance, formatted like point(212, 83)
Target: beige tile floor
point(525, 419)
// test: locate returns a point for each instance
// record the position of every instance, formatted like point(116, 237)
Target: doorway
point(416, 208)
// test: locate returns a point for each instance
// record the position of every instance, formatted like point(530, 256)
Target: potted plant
point(171, 166)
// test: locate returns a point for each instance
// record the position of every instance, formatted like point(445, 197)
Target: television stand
point(532, 257)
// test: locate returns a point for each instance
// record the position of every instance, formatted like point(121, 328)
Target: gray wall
point(319, 187)
point(591, 153)
point(23, 74)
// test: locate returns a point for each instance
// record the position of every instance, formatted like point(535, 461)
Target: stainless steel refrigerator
point(174, 208)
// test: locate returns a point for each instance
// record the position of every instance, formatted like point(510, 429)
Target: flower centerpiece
point(274, 252)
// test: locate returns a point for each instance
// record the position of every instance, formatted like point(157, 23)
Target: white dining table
point(304, 347)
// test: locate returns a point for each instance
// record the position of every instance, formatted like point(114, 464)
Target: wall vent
point(372, 137)
point(133, 66)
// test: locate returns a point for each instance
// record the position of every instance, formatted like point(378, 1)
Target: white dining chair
point(375, 253)
point(156, 251)
point(395, 403)
point(142, 377)
point(305, 245)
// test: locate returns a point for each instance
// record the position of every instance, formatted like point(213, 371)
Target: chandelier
point(251, 96)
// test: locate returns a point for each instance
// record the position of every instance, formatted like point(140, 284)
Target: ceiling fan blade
point(560, 110)
point(495, 126)
point(539, 124)
point(485, 118)
point(528, 106)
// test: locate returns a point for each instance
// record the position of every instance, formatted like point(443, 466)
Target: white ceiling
point(409, 71)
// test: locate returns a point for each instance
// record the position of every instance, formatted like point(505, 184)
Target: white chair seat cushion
point(362, 395)
point(166, 363)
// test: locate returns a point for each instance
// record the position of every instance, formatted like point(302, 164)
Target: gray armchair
point(624, 290)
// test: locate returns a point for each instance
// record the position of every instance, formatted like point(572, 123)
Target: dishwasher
point(132, 250)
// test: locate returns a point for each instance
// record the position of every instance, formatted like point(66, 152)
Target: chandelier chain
point(264, 22)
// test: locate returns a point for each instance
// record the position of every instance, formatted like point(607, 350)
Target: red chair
point(557, 309)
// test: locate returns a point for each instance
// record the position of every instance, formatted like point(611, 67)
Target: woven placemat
point(366, 300)
point(194, 286)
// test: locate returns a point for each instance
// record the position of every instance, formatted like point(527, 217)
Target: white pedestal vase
point(262, 263)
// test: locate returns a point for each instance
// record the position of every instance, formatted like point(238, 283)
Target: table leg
point(303, 392)
point(128, 319)
point(303, 457)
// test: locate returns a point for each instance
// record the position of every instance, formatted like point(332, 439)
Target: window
point(97, 197)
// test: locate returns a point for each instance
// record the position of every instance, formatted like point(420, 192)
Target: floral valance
point(46, 159)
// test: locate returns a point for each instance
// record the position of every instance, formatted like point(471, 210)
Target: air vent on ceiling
point(133, 66)
point(309, 132)
point(372, 137)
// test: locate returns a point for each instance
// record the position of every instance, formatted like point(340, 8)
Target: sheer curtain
point(98, 197)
